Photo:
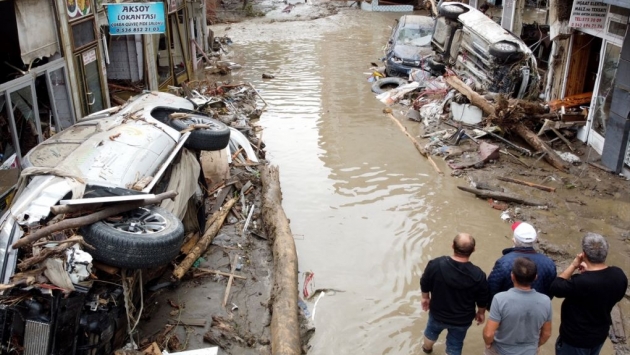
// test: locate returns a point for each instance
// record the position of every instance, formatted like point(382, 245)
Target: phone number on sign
point(137, 29)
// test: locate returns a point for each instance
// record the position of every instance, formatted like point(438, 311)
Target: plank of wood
point(203, 271)
point(416, 144)
point(230, 280)
point(527, 183)
point(193, 322)
point(563, 138)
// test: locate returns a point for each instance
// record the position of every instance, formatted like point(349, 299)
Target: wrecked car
point(409, 45)
point(65, 304)
point(479, 49)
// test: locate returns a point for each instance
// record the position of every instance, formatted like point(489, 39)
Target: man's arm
point(426, 285)
point(488, 332)
point(563, 285)
point(545, 333)
point(575, 265)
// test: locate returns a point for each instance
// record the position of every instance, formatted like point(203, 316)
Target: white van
point(480, 49)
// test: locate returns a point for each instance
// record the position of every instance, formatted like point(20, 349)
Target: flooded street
point(366, 209)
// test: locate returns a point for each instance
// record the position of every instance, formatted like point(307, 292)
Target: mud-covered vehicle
point(65, 304)
point(478, 48)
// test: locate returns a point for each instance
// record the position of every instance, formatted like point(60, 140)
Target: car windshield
point(418, 37)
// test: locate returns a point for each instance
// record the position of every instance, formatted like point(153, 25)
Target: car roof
point(416, 21)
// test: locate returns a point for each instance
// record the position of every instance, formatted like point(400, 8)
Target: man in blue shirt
point(524, 238)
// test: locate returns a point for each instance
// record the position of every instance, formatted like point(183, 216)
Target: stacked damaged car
point(96, 204)
point(462, 41)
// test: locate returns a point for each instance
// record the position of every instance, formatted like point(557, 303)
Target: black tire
point(379, 86)
point(154, 239)
point(216, 137)
point(436, 67)
point(452, 11)
point(505, 51)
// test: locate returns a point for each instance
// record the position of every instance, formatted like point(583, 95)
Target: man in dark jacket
point(451, 287)
point(588, 298)
point(524, 238)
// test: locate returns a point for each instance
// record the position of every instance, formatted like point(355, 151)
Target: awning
point(36, 29)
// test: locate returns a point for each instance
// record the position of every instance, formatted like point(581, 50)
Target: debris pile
point(471, 129)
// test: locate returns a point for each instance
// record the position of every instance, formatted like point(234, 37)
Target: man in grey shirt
point(520, 318)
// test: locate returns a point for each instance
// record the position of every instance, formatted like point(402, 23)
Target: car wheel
point(505, 51)
point(452, 11)
point(216, 137)
point(386, 84)
point(142, 238)
point(436, 67)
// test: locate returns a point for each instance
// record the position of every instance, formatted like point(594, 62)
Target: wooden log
point(474, 97)
point(501, 196)
point(91, 218)
point(416, 144)
point(59, 209)
point(532, 139)
point(204, 242)
point(285, 328)
point(527, 183)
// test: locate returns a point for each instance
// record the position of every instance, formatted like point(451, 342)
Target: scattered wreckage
point(481, 81)
point(98, 207)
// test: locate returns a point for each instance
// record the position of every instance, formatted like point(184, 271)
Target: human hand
point(488, 346)
point(480, 317)
point(425, 304)
point(578, 262)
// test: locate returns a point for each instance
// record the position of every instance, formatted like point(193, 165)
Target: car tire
point(505, 51)
point(379, 86)
point(144, 238)
point(452, 11)
point(214, 138)
point(436, 67)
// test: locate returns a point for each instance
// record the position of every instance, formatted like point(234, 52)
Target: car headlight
point(417, 63)
point(396, 60)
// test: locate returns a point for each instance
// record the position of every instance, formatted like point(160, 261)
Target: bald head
point(463, 244)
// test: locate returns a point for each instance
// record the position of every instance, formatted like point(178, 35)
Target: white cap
point(524, 232)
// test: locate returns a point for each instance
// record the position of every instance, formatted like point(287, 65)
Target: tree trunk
point(205, 240)
point(501, 196)
point(285, 328)
point(532, 139)
point(474, 97)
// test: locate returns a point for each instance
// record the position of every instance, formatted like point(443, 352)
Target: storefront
point(35, 95)
point(592, 67)
point(164, 58)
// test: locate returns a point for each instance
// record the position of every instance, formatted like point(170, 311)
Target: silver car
point(478, 48)
point(116, 154)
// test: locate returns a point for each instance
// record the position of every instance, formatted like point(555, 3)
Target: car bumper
point(396, 69)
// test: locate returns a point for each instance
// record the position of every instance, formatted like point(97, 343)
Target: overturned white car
point(120, 154)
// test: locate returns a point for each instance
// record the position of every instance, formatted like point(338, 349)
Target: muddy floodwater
point(367, 211)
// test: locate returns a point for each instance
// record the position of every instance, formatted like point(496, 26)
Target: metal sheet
point(88, 201)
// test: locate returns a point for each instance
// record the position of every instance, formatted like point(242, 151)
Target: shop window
point(601, 109)
point(617, 21)
point(83, 34)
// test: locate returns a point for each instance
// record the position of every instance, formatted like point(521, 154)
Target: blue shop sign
point(136, 18)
